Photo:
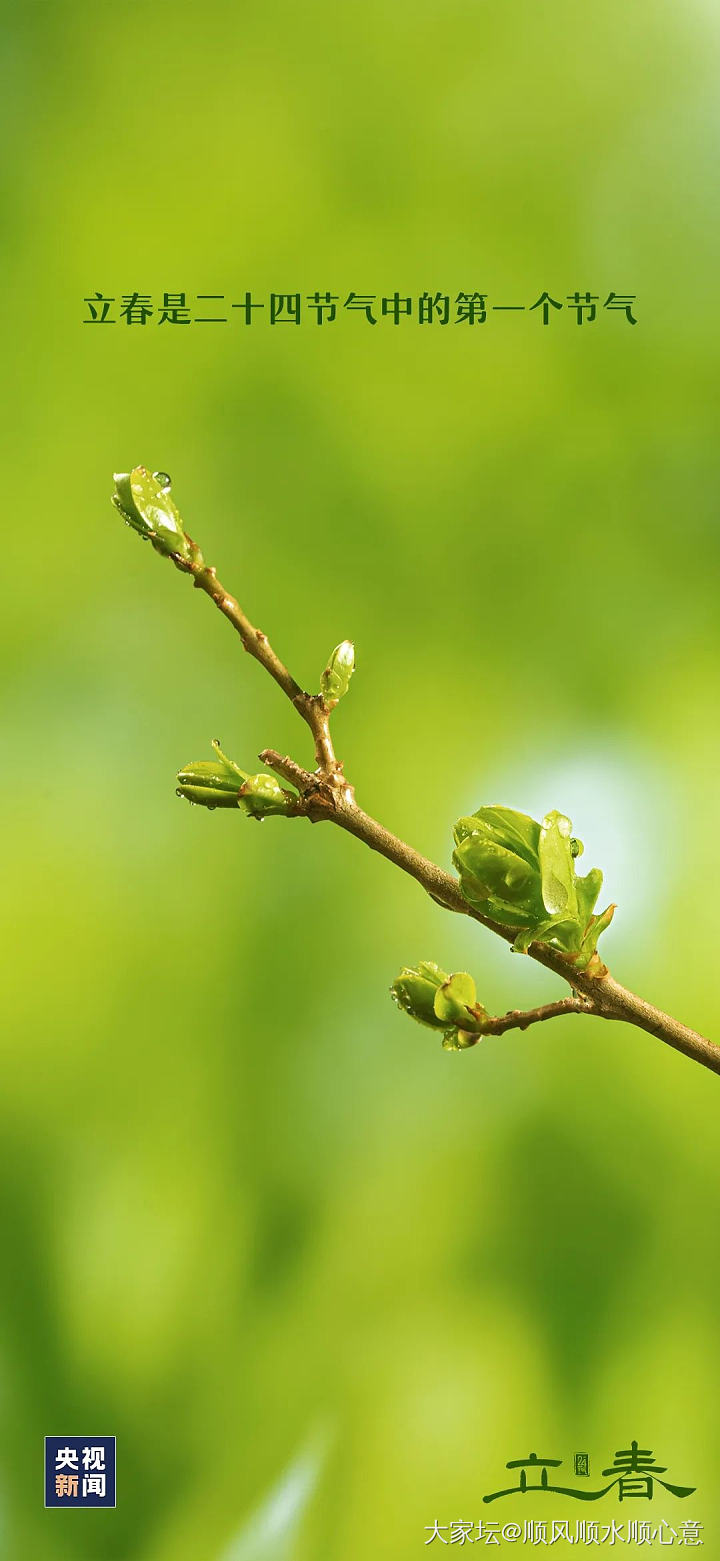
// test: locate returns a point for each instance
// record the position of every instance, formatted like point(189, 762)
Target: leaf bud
point(335, 680)
point(456, 1003)
point(261, 795)
point(209, 784)
point(414, 991)
point(459, 1040)
point(143, 499)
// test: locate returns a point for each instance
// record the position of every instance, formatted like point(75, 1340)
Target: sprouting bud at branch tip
point(220, 783)
point(441, 1002)
point(144, 501)
point(209, 784)
point(414, 991)
point(522, 873)
point(456, 1003)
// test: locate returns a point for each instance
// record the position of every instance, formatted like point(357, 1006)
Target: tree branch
point(326, 795)
point(521, 1019)
point(311, 707)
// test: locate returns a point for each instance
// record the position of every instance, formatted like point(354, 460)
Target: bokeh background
point(321, 1279)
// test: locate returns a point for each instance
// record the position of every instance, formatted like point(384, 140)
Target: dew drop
point(164, 479)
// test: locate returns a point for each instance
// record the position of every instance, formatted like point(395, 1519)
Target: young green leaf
point(143, 499)
point(587, 890)
point(588, 946)
point(522, 874)
point(516, 831)
point(456, 1002)
point(414, 991)
point(557, 867)
point(497, 879)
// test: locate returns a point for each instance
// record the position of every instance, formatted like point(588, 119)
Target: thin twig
point(521, 1019)
point(311, 707)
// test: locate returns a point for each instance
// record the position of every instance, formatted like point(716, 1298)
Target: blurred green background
point(254, 1221)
